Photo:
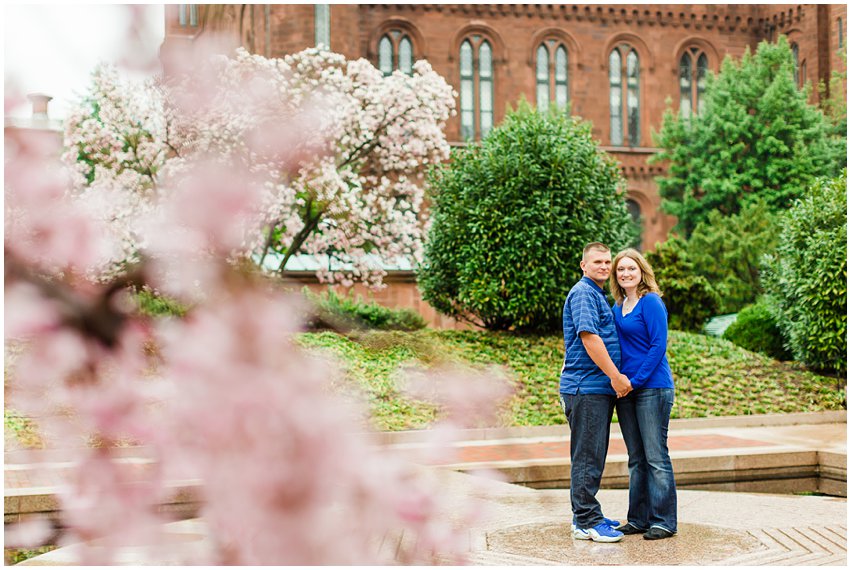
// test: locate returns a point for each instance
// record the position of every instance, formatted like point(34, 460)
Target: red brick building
point(616, 65)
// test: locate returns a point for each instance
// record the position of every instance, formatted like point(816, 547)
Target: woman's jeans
point(589, 417)
point(643, 416)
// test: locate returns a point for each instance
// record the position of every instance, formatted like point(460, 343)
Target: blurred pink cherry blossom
point(223, 395)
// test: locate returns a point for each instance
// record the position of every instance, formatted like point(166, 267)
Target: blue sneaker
point(604, 533)
point(583, 534)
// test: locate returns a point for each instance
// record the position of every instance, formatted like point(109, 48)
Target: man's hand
point(621, 385)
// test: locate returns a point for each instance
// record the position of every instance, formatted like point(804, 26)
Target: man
point(590, 383)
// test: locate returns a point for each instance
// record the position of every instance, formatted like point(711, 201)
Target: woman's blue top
point(643, 335)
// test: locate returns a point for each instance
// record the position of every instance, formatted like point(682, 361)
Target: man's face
point(597, 266)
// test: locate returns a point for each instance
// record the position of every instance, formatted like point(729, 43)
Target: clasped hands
point(621, 385)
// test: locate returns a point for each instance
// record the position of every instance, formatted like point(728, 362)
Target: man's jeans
point(643, 416)
point(589, 417)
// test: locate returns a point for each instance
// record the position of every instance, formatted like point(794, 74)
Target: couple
point(615, 358)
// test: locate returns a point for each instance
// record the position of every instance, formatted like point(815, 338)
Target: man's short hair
point(594, 246)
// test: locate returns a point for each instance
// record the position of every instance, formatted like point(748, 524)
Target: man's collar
point(593, 284)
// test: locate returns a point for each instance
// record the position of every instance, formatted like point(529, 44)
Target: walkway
point(780, 454)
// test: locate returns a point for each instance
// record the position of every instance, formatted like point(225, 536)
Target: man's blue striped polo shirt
point(586, 309)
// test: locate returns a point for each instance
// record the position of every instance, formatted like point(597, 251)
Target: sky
point(52, 49)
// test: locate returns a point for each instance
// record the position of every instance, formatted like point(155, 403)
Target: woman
point(642, 324)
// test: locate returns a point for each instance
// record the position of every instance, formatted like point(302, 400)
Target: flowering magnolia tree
point(223, 395)
point(349, 189)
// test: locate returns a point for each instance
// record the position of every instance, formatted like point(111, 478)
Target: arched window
point(635, 213)
point(551, 75)
point(841, 31)
point(477, 87)
point(624, 79)
point(795, 63)
point(693, 67)
point(395, 51)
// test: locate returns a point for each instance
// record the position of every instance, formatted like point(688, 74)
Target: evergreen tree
point(757, 137)
point(727, 250)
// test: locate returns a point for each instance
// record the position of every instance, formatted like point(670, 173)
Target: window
point(476, 87)
point(322, 24)
point(395, 51)
point(187, 9)
point(795, 63)
point(635, 214)
point(551, 75)
point(693, 67)
point(624, 70)
point(839, 22)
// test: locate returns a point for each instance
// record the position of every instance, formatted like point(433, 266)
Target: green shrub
point(689, 297)
point(757, 136)
point(727, 251)
point(510, 217)
point(363, 314)
point(756, 329)
point(156, 305)
point(806, 280)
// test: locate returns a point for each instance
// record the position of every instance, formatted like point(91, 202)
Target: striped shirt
point(587, 310)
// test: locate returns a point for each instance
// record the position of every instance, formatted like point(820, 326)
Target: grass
point(713, 377)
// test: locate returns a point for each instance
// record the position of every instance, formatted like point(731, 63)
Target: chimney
point(39, 102)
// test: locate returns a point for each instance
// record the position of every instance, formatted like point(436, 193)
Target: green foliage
point(688, 296)
point(757, 137)
point(24, 430)
point(12, 556)
point(155, 305)
point(727, 251)
point(806, 281)
point(511, 216)
point(756, 329)
point(363, 314)
point(833, 97)
point(713, 377)
point(371, 372)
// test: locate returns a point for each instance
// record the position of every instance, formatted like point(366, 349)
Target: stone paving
point(525, 526)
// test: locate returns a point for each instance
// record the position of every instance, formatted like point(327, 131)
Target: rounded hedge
point(510, 217)
point(806, 280)
point(756, 329)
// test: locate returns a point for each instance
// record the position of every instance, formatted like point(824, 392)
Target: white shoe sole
point(581, 535)
point(597, 537)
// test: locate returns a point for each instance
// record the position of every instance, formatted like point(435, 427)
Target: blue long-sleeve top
point(643, 336)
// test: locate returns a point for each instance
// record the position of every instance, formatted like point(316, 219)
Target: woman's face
point(627, 273)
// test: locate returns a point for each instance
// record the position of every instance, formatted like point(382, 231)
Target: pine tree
point(757, 137)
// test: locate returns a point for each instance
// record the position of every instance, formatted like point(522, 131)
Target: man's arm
point(596, 349)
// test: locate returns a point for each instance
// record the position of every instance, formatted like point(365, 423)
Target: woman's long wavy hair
point(648, 278)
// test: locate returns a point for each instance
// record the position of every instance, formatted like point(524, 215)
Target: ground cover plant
point(713, 377)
